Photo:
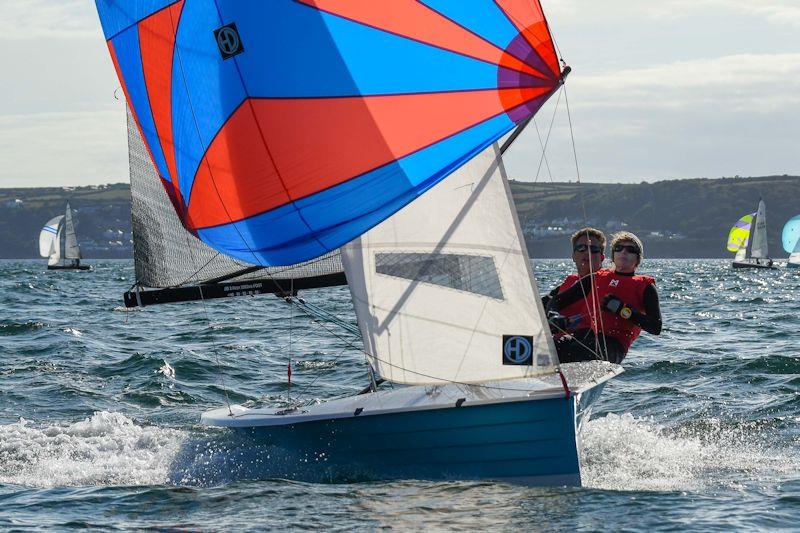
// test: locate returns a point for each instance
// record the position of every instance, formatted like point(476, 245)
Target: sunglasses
point(583, 247)
point(630, 248)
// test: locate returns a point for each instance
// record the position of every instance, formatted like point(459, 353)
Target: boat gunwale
point(272, 417)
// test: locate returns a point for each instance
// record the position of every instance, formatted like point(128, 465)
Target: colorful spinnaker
point(283, 129)
point(740, 233)
point(790, 237)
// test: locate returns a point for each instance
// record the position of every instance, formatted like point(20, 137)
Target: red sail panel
point(414, 20)
point(157, 45)
point(314, 144)
point(528, 17)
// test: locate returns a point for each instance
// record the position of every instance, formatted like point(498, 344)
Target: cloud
point(47, 19)
point(778, 12)
point(54, 149)
point(737, 114)
point(744, 82)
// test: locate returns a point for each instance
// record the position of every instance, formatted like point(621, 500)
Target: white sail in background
point(49, 237)
point(437, 286)
point(759, 240)
point(71, 248)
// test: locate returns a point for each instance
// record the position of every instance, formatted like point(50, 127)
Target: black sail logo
point(228, 40)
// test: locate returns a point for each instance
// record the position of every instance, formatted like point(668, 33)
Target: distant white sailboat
point(790, 238)
point(57, 229)
point(748, 238)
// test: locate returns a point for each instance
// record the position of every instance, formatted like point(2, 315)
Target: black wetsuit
point(583, 344)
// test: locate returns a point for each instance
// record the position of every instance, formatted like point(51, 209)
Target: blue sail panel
point(289, 128)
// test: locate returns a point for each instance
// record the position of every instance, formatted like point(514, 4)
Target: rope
point(349, 344)
point(596, 311)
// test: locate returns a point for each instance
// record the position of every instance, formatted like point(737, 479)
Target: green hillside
point(674, 218)
point(697, 213)
point(102, 219)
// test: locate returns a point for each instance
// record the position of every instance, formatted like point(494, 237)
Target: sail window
point(470, 273)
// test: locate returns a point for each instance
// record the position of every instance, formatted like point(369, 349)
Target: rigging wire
point(215, 350)
point(597, 311)
point(350, 344)
point(544, 155)
point(134, 128)
point(562, 90)
point(301, 305)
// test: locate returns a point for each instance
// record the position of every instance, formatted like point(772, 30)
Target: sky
point(660, 89)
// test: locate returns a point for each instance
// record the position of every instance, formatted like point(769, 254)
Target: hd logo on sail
point(518, 350)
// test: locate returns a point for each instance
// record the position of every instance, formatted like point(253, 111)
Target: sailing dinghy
point(750, 244)
point(291, 145)
point(57, 230)
point(790, 238)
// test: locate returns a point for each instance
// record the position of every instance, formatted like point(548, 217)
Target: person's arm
point(547, 299)
point(577, 292)
point(650, 320)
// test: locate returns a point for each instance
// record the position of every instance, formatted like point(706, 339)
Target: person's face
point(590, 257)
point(625, 256)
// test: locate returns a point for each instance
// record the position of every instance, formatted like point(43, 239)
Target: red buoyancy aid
point(629, 289)
point(575, 313)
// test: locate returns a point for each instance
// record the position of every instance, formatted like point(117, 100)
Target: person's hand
point(557, 322)
point(617, 307)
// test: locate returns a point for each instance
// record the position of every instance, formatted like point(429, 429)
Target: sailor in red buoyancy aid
point(617, 305)
point(566, 304)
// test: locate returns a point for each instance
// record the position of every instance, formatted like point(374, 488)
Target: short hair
point(627, 236)
point(591, 232)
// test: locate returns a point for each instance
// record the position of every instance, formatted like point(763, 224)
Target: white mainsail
point(71, 248)
point(759, 240)
point(440, 287)
point(49, 240)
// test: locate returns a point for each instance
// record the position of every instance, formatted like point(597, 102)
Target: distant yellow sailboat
point(750, 244)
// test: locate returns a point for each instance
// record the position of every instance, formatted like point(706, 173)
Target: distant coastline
point(687, 218)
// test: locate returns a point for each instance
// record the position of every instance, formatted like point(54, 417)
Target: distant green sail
point(740, 233)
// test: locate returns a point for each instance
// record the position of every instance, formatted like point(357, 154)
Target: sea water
point(100, 408)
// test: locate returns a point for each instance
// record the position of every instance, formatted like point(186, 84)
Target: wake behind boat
point(57, 230)
point(392, 178)
point(751, 246)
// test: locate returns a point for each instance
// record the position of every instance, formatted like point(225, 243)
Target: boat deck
point(580, 377)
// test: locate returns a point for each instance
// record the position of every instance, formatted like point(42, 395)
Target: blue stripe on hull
point(533, 441)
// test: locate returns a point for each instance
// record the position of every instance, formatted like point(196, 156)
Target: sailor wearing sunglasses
point(629, 301)
point(613, 305)
point(566, 304)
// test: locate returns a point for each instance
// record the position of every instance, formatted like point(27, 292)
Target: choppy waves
point(106, 449)
point(102, 407)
